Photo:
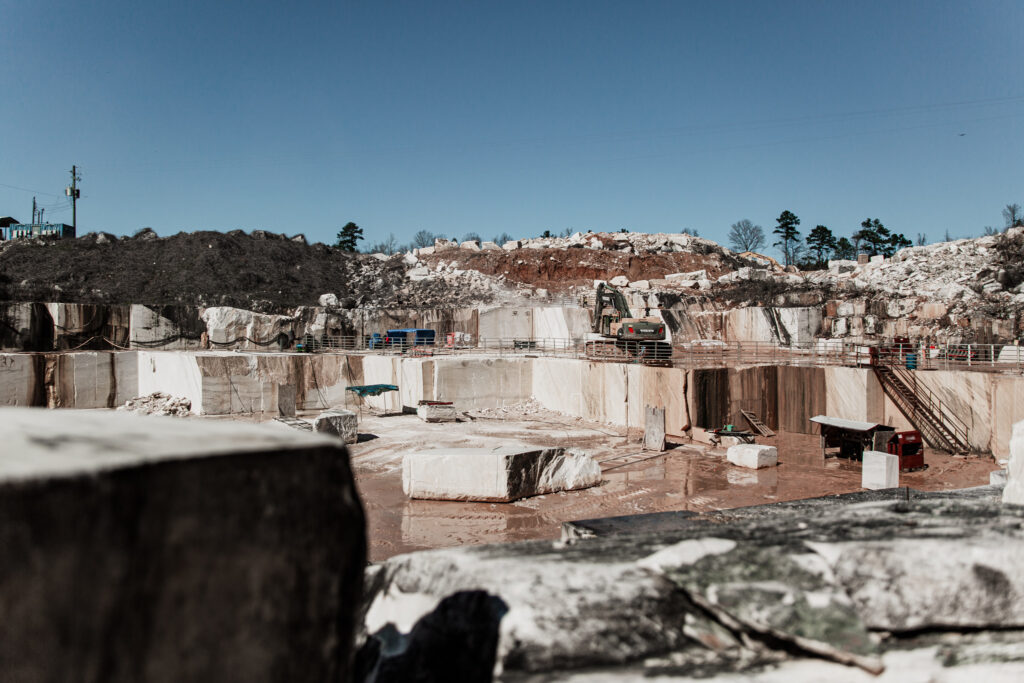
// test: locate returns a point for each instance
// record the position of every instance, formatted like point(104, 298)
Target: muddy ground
point(687, 477)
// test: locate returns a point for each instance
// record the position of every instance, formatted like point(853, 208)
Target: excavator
point(625, 338)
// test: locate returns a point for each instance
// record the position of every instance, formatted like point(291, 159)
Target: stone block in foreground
point(338, 422)
point(159, 549)
point(753, 456)
point(1014, 491)
point(497, 475)
point(879, 470)
point(437, 412)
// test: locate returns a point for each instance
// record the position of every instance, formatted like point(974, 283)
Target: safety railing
point(1007, 358)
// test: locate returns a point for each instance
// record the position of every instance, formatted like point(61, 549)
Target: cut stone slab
point(1014, 491)
point(343, 423)
point(496, 475)
point(148, 548)
point(619, 281)
point(433, 412)
point(654, 428)
point(753, 456)
point(880, 471)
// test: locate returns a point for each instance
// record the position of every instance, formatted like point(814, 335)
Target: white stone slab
point(1014, 491)
point(343, 423)
point(501, 474)
point(880, 471)
point(437, 413)
point(753, 456)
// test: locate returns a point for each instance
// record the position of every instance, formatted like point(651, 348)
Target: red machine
point(910, 448)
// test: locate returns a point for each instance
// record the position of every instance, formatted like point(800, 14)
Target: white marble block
point(1014, 491)
point(338, 422)
point(497, 475)
point(433, 412)
point(880, 470)
point(752, 455)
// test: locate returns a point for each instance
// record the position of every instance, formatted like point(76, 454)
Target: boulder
point(497, 475)
point(338, 422)
point(879, 470)
point(511, 245)
point(470, 245)
point(619, 281)
point(753, 456)
point(145, 548)
point(329, 300)
point(489, 246)
point(437, 412)
point(641, 285)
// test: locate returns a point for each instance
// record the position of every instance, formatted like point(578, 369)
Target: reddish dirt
point(685, 478)
point(559, 270)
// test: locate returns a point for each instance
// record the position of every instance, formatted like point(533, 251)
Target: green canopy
point(371, 389)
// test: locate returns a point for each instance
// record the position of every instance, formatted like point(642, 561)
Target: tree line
point(821, 244)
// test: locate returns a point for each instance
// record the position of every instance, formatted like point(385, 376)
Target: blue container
point(911, 361)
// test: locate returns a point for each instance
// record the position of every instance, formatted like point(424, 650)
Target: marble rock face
point(341, 423)
point(500, 474)
point(753, 456)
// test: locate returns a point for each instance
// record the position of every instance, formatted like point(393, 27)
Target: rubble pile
point(158, 403)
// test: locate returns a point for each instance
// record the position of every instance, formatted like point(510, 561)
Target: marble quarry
point(274, 383)
point(496, 475)
point(159, 549)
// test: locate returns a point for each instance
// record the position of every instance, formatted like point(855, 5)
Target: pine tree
point(789, 236)
point(348, 236)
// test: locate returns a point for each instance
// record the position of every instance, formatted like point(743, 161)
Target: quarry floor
point(690, 476)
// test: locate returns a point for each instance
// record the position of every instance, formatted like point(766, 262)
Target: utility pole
point(33, 211)
point(73, 192)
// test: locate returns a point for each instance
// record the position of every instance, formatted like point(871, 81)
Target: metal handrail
point(934, 405)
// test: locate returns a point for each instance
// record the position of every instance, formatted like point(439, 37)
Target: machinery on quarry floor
point(625, 338)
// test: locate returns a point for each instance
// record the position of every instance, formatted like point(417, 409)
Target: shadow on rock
point(458, 641)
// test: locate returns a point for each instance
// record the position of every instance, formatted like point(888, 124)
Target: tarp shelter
point(851, 437)
point(364, 390)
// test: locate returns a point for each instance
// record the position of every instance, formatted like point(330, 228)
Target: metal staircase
point(939, 427)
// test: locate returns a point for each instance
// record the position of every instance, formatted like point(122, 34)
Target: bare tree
point(922, 239)
point(502, 238)
point(388, 245)
point(472, 237)
point(745, 236)
point(1013, 216)
point(989, 231)
point(423, 238)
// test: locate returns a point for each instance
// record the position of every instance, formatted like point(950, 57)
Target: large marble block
point(752, 455)
point(880, 470)
point(338, 422)
point(1014, 491)
point(499, 475)
point(154, 549)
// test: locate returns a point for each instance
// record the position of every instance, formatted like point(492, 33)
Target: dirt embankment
point(259, 271)
point(562, 269)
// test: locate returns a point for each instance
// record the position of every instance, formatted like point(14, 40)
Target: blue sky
point(513, 117)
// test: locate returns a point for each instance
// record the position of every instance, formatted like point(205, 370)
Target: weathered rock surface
point(837, 588)
point(338, 422)
point(149, 549)
point(496, 475)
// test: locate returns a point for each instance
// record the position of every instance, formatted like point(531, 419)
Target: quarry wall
point(224, 382)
